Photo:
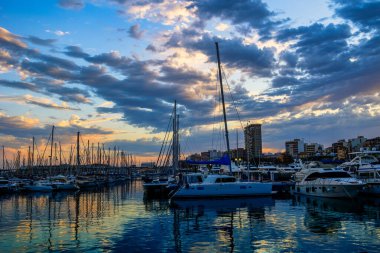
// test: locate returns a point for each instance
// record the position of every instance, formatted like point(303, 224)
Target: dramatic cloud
point(253, 14)
point(234, 53)
point(363, 13)
point(313, 78)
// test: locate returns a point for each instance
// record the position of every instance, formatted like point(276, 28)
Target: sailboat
point(163, 184)
point(222, 185)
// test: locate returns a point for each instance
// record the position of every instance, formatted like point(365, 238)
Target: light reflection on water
point(120, 219)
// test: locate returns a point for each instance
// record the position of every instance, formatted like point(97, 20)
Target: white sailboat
point(222, 185)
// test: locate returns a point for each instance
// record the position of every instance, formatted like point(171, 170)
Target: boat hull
point(240, 189)
point(38, 188)
point(329, 191)
point(372, 188)
point(65, 187)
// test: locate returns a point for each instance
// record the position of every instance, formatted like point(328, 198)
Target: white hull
point(235, 189)
point(329, 191)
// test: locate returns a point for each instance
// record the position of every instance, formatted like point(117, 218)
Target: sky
point(111, 69)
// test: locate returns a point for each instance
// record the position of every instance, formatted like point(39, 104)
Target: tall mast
point(60, 154)
point(3, 157)
point(78, 156)
point(175, 139)
point(224, 107)
point(51, 145)
point(33, 153)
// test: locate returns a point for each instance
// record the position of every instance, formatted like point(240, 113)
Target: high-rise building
point(295, 147)
point(253, 140)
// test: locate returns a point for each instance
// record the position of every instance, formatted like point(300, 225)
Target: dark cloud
point(41, 42)
point(71, 4)
point(235, 54)
point(76, 52)
point(50, 106)
point(135, 31)
point(18, 85)
point(365, 13)
point(251, 14)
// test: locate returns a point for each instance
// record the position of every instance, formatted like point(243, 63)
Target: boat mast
point(32, 160)
point(175, 139)
point(78, 153)
point(224, 107)
point(51, 146)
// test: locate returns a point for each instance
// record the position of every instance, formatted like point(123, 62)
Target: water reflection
point(225, 219)
point(56, 221)
point(120, 219)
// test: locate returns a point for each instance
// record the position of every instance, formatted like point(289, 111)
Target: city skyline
point(112, 70)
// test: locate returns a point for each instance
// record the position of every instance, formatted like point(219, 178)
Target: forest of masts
point(81, 154)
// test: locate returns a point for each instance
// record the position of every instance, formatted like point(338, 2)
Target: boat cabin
point(327, 174)
point(212, 179)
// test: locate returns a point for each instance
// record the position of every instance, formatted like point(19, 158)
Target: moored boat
point(332, 183)
point(39, 186)
point(222, 186)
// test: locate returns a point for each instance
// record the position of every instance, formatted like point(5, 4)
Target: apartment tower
point(253, 140)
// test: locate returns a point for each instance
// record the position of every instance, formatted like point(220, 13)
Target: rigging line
point(186, 144)
point(232, 99)
point(43, 154)
point(163, 147)
point(166, 133)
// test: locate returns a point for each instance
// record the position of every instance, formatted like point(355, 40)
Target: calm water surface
point(120, 219)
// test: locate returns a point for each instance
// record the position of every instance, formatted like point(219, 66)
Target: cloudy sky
point(111, 69)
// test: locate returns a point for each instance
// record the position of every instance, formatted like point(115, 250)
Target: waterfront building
point(356, 144)
point(340, 144)
point(294, 147)
point(253, 140)
point(238, 153)
point(205, 156)
point(372, 144)
point(312, 149)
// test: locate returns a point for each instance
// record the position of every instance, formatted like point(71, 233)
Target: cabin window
point(243, 187)
point(307, 189)
point(313, 189)
point(228, 180)
point(323, 189)
point(298, 189)
point(337, 174)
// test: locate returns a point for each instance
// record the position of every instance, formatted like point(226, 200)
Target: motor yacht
point(366, 167)
point(324, 182)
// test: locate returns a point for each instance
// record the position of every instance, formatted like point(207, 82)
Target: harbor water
point(120, 219)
